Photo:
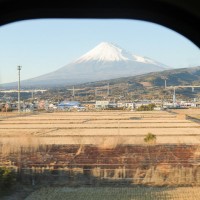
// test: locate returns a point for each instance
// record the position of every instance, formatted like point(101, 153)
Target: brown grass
point(106, 129)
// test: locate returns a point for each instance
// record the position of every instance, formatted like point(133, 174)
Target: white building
point(142, 103)
point(101, 104)
point(130, 105)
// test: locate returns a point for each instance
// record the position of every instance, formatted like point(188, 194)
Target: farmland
point(104, 149)
point(93, 127)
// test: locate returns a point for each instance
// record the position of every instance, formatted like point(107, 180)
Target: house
point(101, 104)
point(130, 105)
point(142, 103)
point(112, 105)
point(120, 104)
point(197, 104)
point(68, 105)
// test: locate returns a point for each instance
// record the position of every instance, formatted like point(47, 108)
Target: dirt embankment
point(89, 164)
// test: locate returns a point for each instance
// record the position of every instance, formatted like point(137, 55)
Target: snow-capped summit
point(105, 61)
point(109, 52)
point(105, 51)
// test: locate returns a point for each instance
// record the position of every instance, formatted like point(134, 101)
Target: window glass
point(111, 104)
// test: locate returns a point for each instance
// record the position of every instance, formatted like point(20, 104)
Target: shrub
point(150, 138)
point(149, 107)
point(7, 178)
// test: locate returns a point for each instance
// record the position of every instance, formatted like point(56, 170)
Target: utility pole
point(165, 79)
point(73, 94)
point(192, 89)
point(95, 93)
point(108, 91)
point(32, 94)
point(174, 96)
point(127, 91)
point(19, 68)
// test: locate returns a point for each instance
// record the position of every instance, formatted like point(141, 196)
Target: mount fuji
point(105, 61)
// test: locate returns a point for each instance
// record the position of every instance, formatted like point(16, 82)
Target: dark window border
point(179, 15)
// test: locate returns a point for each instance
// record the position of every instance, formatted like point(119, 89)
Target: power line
point(73, 91)
point(181, 86)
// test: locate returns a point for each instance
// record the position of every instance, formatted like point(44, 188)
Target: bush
point(150, 138)
point(149, 107)
point(7, 178)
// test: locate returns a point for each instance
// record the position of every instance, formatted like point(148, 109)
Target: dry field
point(102, 128)
point(108, 193)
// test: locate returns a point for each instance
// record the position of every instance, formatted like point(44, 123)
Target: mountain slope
point(152, 85)
point(105, 61)
point(146, 86)
point(182, 76)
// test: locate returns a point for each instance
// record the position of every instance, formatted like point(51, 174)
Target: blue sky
point(42, 46)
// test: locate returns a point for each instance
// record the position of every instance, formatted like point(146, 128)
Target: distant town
point(167, 89)
point(46, 100)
